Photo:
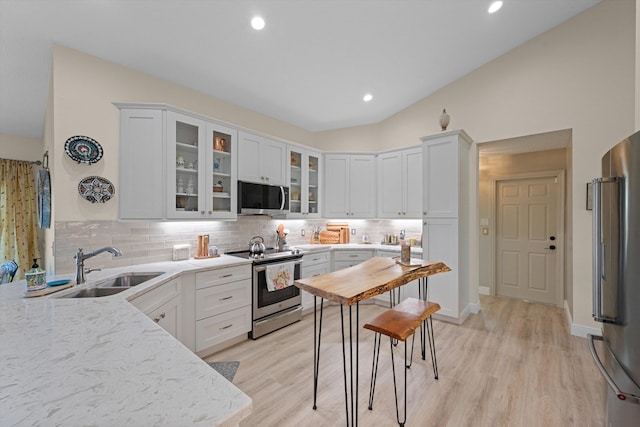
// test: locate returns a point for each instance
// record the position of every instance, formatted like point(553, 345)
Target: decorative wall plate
point(83, 149)
point(96, 189)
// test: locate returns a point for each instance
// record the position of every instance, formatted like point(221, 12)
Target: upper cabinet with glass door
point(304, 180)
point(201, 171)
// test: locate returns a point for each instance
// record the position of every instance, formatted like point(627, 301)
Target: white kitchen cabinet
point(400, 184)
point(304, 181)
point(163, 306)
point(141, 190)
point(314, 264)
point(349, 186)
point(222, 305)
point(445, 165)
point(201, 168)
point(261, 160)
point(349, 258)
point(450, 209)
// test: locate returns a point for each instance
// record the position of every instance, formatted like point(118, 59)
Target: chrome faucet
point(81, 256)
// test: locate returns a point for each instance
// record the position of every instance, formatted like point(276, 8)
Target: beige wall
point(20, 148)
point(493, 167)
point(567, 78)
point(84, 89)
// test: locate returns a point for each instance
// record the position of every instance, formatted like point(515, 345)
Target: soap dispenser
point(36, 277)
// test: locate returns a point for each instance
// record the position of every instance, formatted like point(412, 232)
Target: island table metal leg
point(317, 332)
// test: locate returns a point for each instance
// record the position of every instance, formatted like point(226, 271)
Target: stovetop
point(269, 255)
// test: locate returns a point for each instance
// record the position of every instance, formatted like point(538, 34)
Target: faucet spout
point(81, 257)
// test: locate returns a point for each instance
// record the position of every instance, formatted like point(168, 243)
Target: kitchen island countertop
point(100, 361)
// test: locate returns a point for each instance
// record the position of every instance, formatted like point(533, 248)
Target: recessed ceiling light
point(257, 23)
point(368, 97)
point(495, 6)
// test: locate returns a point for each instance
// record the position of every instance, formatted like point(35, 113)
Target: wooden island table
point(348, 287)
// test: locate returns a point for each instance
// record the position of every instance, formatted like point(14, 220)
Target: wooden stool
point(398, 323)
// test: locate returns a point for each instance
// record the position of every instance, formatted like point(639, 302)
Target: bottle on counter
point(36, 277)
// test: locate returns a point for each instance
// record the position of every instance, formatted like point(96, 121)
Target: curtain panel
point(18, 214)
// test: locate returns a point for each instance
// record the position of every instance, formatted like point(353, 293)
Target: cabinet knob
point(399, 213)
point(159, 318)
point(210, 212)
point(201, 212)
point(424, 213)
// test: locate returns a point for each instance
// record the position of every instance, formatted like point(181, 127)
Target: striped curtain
point(18, 215)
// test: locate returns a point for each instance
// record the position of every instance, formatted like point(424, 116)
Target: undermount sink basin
point(93, 292)
point(127, 280)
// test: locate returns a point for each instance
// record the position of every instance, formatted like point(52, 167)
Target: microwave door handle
point(282, 194)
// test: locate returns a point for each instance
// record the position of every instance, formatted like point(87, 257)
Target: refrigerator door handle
point(598, 259)
point(620, 394)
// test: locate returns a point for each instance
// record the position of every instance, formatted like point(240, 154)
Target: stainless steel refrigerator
point(616, 280)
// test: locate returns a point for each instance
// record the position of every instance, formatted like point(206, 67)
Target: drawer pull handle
point(353, 256)
point(159, 318)
point(225, 298)
point(226, 327)
point(226, 275)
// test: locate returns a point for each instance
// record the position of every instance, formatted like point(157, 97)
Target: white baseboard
point(484, 290)
point(579, 330)
point(474, 308)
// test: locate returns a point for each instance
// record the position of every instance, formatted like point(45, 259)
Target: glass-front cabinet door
point(221, 155)
point(201, 170)
point(304, 179)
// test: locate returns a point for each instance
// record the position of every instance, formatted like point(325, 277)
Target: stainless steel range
point(273, 309)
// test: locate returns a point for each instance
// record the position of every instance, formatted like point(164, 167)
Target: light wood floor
point(513, 364)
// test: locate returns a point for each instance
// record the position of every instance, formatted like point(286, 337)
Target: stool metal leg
point(374, 367)
point(428, 323)
point(395, 388)
point(317, 332)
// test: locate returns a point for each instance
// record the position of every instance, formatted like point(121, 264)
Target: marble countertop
point(100, 361)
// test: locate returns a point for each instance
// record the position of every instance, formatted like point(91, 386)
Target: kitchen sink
point(93, 292)
point(127, 280)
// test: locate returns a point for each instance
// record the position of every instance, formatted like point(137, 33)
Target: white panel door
point(272, 159)
point(336, 178)
point(141, 190)
point(412, 188)
point(390, 185)
point(526, 223)
point(441, 244)
point(362, 186)
point(441, 177)
point(249, 158)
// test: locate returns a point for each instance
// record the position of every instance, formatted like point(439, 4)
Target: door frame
point(559, 175)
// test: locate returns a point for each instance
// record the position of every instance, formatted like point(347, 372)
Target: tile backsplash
point(152, 241)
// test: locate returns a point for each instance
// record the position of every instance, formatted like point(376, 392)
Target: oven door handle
point(263, 268)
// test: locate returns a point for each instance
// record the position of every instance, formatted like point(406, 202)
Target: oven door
point(267, 302)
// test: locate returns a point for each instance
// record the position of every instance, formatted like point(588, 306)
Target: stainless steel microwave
point(262, 199)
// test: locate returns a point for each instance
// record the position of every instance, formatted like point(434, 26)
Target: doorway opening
point(523, 212)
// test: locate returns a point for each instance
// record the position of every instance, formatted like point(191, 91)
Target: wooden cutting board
point(48, 290)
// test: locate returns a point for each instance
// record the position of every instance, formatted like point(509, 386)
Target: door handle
point(552, 247)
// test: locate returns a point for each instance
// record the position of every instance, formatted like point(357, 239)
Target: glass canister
point(36, 278)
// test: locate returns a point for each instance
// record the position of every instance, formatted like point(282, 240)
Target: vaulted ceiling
point(310, 66)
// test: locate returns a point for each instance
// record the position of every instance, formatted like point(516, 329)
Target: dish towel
point(279, 276)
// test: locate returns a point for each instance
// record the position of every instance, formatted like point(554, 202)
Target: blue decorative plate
point(83, 149)
point(96, 189)
point(58, 282)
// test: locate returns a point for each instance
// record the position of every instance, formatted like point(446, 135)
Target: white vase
point(444, 119)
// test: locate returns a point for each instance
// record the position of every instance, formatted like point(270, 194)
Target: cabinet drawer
point(315, 270)
point(157, 297)
point(352, 255)
point(222, 298)
point(219, 276)
point(316, 258)
point(218, 329)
